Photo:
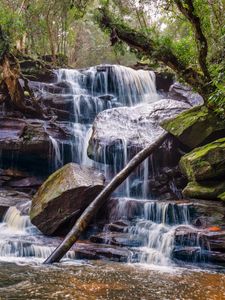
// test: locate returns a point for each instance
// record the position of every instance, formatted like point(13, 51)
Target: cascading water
point(92, 91)
point(100, 88)
point(154, 224)
point(19, 238)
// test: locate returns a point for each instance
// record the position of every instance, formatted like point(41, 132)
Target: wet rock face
point(180, 92)
point(133, 128)
point(27, 143)
point(63, 197)
point(101, 251)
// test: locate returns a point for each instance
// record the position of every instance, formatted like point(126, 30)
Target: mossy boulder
point(205, 189)
point(222, 196)
point(63, 197)
point(195, 127)
point(205, 162)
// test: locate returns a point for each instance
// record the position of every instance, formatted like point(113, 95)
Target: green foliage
point(12, 23)
point(217, 98)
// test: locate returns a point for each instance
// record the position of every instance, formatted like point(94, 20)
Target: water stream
point(94, 90)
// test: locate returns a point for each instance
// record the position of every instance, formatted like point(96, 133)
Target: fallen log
point(92, 209)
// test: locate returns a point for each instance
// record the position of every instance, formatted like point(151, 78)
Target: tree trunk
point(146, 45)
point(93, 208)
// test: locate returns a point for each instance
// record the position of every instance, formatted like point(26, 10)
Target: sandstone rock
point(101, 251)
point(63, 197)
point(204, 189)
point(195, 127)
point(132, 128)
point(29, 142)
point(184, 93)
point(116, 239)
point(205, 162)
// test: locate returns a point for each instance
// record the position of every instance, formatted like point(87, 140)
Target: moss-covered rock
point(63, 197)
point(205, 162)
point(205, 190)
point(222, 196)
point(195, 126)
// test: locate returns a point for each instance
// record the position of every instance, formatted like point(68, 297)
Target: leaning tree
point(203, 68)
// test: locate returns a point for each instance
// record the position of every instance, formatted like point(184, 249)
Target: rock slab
point(63, 197)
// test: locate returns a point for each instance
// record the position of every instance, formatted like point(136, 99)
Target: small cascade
point(20, 239)
point(56, 154)
point(125, 85)
point(15, 221)
point(161, 228)
point(156, 228)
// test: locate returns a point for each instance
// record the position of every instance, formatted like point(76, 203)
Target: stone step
point(90, 250)
point(116, 239)
point(196, 254)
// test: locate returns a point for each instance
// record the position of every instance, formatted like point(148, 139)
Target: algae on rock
point(205, 162)
point(204, 189)
point(195, 126)
point(63, 197)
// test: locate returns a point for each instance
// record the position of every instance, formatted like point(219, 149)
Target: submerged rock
point(132, 128)
point(205, 162)
point(195, 127)
point(63, 197)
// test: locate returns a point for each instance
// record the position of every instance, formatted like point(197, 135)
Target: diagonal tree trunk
point(93, 208)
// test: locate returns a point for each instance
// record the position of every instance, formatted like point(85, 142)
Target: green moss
point(205, 190)
point(222, 196)
point(192, 127)
point(205, 162)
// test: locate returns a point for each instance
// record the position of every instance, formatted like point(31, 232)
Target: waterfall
point(154, 225)
point(94, 90)
point(56, 154)
point(19, 238)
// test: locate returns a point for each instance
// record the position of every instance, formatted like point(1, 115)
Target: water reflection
point(108, 281)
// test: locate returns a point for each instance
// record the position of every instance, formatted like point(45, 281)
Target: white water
point(20, 239)
point(94, 90)
point(100, 88)
point(154, 223)
point(56, 153)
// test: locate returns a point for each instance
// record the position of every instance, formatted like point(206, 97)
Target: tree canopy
point(187, 36)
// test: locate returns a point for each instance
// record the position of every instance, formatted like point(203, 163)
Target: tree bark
point(187, 9)
point(151, 48)
point(92, 209)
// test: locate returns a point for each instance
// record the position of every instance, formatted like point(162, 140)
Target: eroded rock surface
point(130, 127)
point(64, 196)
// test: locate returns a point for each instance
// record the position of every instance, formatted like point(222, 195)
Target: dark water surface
point(100, 280)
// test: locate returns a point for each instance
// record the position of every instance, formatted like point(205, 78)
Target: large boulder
point(205, 162)
point(130, 128)
point(63, 197)
point(195, 127)
point(205, 189)
point(205, 169)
